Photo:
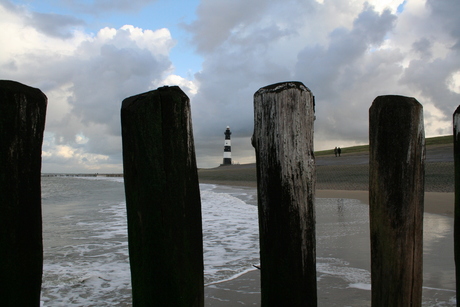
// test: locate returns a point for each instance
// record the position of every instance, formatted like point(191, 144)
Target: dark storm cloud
point(445, 13)
point(246, 58)
point(326, 68)
point(100, 78)
point(217, 18)
point(431, 75)
point(116, 72)
point(54, 24)
point(221, 22)
point(333, 71)
point(237, 39)
point(99, 84)
point(8, 5)
point(423, 46)
point(101, 7)
point(430, 78)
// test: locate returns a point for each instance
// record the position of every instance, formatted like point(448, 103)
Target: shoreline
point(435, 202)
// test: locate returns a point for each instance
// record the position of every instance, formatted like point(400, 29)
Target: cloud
point(445, 15)
point(85, 78)
point(337, 72)
point(347, 53)
point(114, 66)
point(103, 7)
point(423, 47)
point(54, 24)
point(431, 79)
point(61, 26)
point(434, 70)
point(217, 19)
point(279, 46)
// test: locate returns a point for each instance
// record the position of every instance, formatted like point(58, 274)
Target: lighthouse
point(227, 148)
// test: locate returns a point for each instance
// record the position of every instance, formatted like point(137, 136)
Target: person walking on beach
point(339, 151)
point(335, 151)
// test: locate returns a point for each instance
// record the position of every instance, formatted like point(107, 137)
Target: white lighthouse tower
point(227, 148)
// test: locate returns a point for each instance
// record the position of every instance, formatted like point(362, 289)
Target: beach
point(86, 259)
point(346, 178)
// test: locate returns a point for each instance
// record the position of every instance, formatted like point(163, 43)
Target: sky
point(87, 56)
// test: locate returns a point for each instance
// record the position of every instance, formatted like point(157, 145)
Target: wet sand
point(354, 249)
point(343, 177)
point(435, 202)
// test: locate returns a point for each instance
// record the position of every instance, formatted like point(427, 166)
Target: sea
point(86, 260)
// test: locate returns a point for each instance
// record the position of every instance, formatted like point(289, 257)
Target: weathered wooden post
point(396, 191)
point(456, 125)
point(283, 141)
point(22, 121)
point(163, 199)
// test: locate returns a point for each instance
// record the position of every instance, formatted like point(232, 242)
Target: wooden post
point(163, 199)
point(283, 141)
point(22, 121)
point(456, 125)
point(396, 191)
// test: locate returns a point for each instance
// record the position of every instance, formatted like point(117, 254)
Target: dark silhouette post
point(283, 140)
point(396, 192)
point(22, 121)
point(456, 124)
point(163, 199)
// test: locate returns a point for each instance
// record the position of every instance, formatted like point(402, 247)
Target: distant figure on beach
point(335, 151)
point(339, 151)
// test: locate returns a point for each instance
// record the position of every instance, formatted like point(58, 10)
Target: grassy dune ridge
point(438, 140)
